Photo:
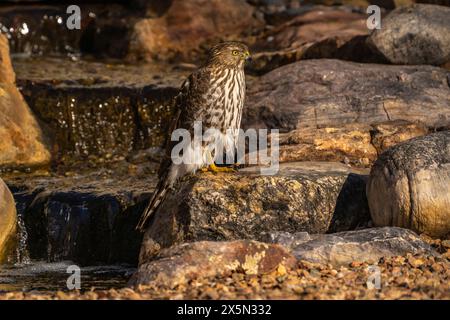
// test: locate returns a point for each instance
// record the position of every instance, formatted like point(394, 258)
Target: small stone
point(416, 263)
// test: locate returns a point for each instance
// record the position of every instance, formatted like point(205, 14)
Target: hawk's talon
point(213, 168)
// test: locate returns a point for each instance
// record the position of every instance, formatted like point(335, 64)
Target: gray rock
point(313, 197)
point(324, 93)
point(409, 185)
point(418, 34)
point(342, 248)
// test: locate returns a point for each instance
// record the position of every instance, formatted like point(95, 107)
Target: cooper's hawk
point(213, 95)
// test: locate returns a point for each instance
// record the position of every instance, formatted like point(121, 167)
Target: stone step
point(89, 219)
point(96, 109)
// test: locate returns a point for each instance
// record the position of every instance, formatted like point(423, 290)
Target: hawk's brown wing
point(188, 108)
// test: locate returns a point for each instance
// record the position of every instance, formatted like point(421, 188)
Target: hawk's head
point(229, 54)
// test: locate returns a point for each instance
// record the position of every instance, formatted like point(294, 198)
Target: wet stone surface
point(100, 110)
point(48, 277)
point(89, 219)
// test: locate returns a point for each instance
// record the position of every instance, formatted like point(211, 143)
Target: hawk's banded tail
point(158, 197)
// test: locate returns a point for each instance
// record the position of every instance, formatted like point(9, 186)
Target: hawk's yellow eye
point(235, 52)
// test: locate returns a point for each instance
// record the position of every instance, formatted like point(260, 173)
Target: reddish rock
point(187, 24)
point(8, 220)
point(322, 32)
point(21, 139)
point(180, 264)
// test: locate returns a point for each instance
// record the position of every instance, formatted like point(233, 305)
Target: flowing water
point(43, 276)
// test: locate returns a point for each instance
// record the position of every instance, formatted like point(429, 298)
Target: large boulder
point(21, 139)
point(188, 24)
point(180, 264)
point(8, 220)
point(343, 248)
point(417, 34)
point(409, 185)
point(313, 197)
point(326, 93)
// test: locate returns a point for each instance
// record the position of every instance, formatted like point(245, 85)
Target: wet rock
point(21, 140)
point(313, 197)
point(177, 34)
point(183, 263)
point(8, 220)
point(343, 248)
point(40, 29)
point(417, 34)
point(409, 185)
point(99, 110)
point(89, 219)
point(355, 144)
point(326, 93)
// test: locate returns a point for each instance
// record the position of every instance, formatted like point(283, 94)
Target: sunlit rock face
point(323, 93)
point(22, 142)
point(8, 220)
point(409, 186)
point(313, 197)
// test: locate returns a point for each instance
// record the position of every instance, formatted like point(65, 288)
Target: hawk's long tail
point(158, 196)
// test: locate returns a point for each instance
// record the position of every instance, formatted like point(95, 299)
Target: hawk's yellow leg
point(213, 168)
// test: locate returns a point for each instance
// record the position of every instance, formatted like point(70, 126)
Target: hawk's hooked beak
point(247, 56)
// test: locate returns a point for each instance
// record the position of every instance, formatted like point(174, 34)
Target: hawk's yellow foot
point(213, 168)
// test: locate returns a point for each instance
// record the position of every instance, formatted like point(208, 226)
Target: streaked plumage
point(214, 94)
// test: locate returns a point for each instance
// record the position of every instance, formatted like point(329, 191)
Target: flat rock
point(326, 93)
point(313, 197)
point(355, 144)
point(8, 219)
point(409, 185)
point(416, 34)
point(180, 264)
point(343, 248)
point(21, 140)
